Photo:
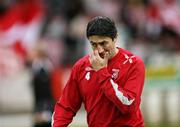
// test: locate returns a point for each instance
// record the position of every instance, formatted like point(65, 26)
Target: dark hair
point(102, 26)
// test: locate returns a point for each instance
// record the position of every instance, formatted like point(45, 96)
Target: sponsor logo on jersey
point(128, 59)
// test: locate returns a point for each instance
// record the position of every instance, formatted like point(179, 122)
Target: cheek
point(111, 51)
point(109, 48)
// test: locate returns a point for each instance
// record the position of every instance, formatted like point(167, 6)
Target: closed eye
point(103, 43)
point(93, 44)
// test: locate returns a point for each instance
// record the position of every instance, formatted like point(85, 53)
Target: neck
point(116, 50)
point(114, 53)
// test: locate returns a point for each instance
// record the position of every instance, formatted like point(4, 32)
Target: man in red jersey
point(109, 82)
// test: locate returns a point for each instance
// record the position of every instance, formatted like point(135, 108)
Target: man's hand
point(97, 62)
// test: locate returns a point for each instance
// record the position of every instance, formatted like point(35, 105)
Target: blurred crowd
point(48, 36)
point(60, 26)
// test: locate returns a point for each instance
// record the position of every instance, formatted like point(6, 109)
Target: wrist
point(99, 68)
point(103, 74)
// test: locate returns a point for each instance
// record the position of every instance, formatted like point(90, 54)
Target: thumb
point(96, 53)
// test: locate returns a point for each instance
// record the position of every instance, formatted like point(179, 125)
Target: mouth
point(101, 55)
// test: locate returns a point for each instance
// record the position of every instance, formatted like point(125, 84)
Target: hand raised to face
point(98, 62)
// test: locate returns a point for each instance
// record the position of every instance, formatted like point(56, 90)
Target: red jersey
point(111, 95)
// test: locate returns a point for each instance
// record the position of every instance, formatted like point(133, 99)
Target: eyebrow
point(98, 42)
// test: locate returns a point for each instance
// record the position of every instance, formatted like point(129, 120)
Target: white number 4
point(87, 76)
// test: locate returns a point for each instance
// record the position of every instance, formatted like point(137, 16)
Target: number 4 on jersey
point(87, 76)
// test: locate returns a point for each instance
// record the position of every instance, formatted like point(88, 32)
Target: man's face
point(103, 44)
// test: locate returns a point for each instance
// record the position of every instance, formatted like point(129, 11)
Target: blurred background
point(40, 40)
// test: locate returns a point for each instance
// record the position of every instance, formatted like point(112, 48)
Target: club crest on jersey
point(115, 73)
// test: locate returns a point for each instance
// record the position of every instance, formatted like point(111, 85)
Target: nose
point(100, 49)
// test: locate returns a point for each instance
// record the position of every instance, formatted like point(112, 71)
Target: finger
point(90, 60)
point(90, 57)
point(106, 56)
point(96, 54)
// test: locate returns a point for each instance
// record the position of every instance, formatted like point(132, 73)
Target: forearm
point(124, 100)
point(62, 116)
point(68, 104)
point(127, 96)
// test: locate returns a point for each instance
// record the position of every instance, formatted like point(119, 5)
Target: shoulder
point(131, 58)
point(79, 66)
point(82, 62)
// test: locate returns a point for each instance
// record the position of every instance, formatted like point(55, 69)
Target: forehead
point(96, 38)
